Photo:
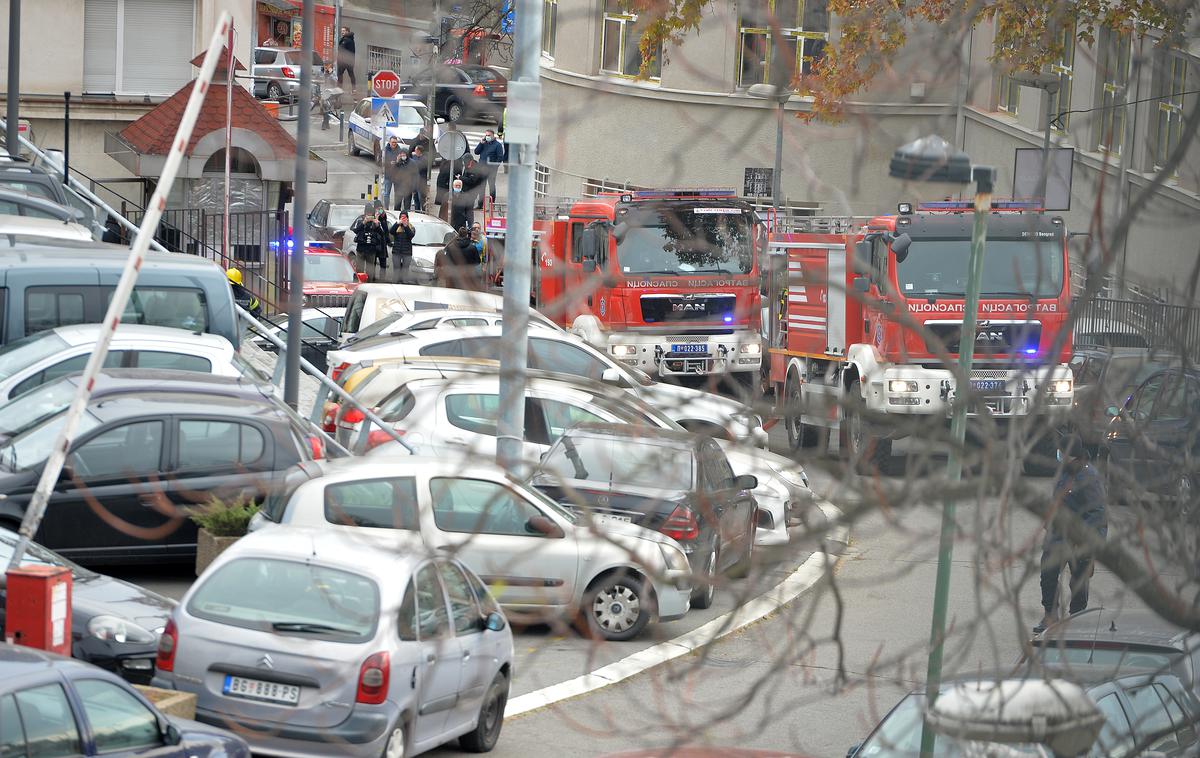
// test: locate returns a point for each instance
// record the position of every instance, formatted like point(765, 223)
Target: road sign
point(452, 145)
point(385, 84)
point(383, 110)
point(758, 182)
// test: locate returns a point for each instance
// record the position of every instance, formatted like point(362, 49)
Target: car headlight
point(751, 348)
point(1060, 386)
point(114, 629)
point(795, 477)
point(623, 351)
point(421, 264)
point(675, 558)
point(902, 385)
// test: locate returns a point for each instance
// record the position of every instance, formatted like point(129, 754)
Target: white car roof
point(81, 334)
point(32, 226)
point(361, 552)
point(356, 468)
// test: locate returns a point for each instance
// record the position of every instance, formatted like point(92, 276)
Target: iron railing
point(1138, 323)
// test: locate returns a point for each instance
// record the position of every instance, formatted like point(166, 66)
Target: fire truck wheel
point(868, 453)
point(799, 433)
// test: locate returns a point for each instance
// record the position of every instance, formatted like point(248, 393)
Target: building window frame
point(625, 24)
point(808, 45)
point(549, 27)
point(1116, 65)
point(1064, 67)
point(1172, 73)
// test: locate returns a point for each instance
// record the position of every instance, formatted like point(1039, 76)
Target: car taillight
point(168, 641)
point(289, 72)
point(380, 437)
point(373, 680)
point(317, 446)
point(681, 524)
point(479, 90)
point(338, 370)
point(354, 416)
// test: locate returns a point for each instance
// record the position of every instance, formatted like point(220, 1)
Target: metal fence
point(1138, 323)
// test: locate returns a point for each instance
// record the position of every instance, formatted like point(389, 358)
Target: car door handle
point(431, 657)
point(466, 656)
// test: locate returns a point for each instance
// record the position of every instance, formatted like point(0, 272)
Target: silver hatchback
point(311, 643)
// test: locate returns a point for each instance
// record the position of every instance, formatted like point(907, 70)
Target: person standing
point(1080, 489)
point(420, 168)
point(462, 206)
point(391, 171)
point(345, 58)
point(402, 233)
point(370, 240)
point(490, 153)
point(242, 296)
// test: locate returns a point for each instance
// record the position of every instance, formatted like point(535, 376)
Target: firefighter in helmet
point(242, 296)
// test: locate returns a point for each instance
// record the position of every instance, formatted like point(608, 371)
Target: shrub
point(225, 519)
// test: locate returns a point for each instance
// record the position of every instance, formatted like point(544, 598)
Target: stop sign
point(385, 84)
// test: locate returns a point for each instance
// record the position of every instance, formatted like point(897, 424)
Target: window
point(474, 413)
point(549, 26)
point(462, 600)
point(406, 621)
point(119, 721)
point(1172, 403)
point(432, 618)
point(474, 506)
point(178, 307)
point(1008, 95)
point(620, 52)
point(177, 361)
point(211, 444)
point(1172, 83)
point(1114, 76)
point(484, 348)
point(384, 59)
point(69, 366)
point(12, 734)
point(48, 307)
point(1143, 399)
point(50, 729)
point(132, 46)
point(1060, 102)
point(1150, 717)
point(1116, 736)
point(800, 28)
point(378, 504)
point(487, 603)
point(548, 355)
point(461, 322)
point(633, 461)
point(562, 416)
point(719, 471)
point(128, 450)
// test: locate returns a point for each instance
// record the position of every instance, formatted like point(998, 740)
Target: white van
point(372, 302)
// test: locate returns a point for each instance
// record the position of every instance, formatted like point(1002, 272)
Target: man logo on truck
point(989, 337)
point(686, 307)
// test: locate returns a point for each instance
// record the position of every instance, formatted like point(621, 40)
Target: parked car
point(114, 624)
point(330, 220)
point(430, 237)
point(1106, 377)
point(45, 356)
point(1142, 708)
point(21, 176)
point(538, 559)
point(55, 706)
point(276, 71)
point(329, 278)
point(368, 127)
point(319, 642)
point(372, 302)
point(1153, 441)
point(696, 410)
point(322, 328)
point(51, 229)
point(416, 321)
point(463, 92)
point(14, 202)
point(49, 283)
point(151, 444)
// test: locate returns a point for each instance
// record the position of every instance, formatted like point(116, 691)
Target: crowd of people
point(384, 250)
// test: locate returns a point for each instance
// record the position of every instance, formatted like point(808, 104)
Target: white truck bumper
point(687, 354)
point(999, 393)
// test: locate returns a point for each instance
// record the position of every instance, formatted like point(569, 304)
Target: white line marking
point(800, 580)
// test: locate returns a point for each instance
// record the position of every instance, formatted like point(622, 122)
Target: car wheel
point(703, 596)
point(617, 608)
point(869, 454)
point(395, 747)
point(486, 733)
point(351, 148)
point(454, 111)
point(274, 91)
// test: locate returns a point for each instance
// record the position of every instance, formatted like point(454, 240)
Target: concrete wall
point(51, 46)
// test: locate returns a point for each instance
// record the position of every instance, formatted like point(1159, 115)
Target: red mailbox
point(39, 608)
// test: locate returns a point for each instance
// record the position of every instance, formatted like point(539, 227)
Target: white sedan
point(537, 558)
point(376, 119)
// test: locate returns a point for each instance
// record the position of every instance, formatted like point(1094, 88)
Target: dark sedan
point(676, 483)
point(1105, 377)
point(55, 706)
point(463, 92)
point(114, 624)
point(150, 446)
point(330, 220)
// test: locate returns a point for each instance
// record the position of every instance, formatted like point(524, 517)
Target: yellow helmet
point(234, 276)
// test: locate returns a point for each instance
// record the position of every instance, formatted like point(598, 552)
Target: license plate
point(614, 517)
point(256, 689)
point(700, 348)
point(987, 385)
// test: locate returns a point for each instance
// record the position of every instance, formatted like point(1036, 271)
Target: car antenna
point(1112, 628)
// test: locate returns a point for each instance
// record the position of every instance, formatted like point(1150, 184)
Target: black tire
point(274, 91)
point(741, 569)
point(800, 434)
point(705, 593)
point(486, 733)
point(351, 148)
point(455, 111)
point(601, 620)
point(867, 453)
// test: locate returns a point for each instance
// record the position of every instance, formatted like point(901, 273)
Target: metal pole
point(295, 303)
point(521, 130)
point(137, 253)
point(1044, 177)
point(777, 189)
point(225, 249)
point(67, 138)
point(13, 98)
point(984, 176)
point(432, 99)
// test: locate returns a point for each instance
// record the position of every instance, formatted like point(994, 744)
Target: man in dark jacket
point(345, 58)
point(1080, 490)
point(419, 164)
point(370, 240)
point(457, 264)
point(391, 171)
point(491, 154)
point(402, 233)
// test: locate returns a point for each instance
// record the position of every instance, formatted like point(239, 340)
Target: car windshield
point(342, 216)
point(17, 356)
point(32, 446)
point(431, 232)
point(1012, 267)
point(377, 327)
point(899, 736)
point(481, 74)
point(409, 115)
point(708, 240)
point(327, 268)
point(290, 598)
point(18, 415)
point(621, 461)
point(36, 555)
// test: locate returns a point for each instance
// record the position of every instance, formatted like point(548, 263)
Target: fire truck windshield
point(1011, 267)
point(682, 242)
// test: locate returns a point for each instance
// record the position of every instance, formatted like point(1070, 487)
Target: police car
point(375, 119)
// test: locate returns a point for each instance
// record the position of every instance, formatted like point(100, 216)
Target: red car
point(329, 278)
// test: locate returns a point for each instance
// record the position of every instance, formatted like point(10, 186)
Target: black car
point(1153, 440)
point(151, 446)
point(677, 483)
point(463, 92)
point(114, 624)
point(1106, 377)
point(330, 220)
point(55, 706)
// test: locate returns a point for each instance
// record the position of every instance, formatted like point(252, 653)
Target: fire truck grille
point(991, 338)
point(658, 309)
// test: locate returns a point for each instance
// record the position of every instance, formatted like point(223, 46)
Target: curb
point(799, 581)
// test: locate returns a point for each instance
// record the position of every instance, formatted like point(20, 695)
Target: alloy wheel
point(617, 608)
point(395, 744)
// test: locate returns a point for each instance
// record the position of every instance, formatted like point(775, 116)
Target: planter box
point(170, 702)
point(208, 548)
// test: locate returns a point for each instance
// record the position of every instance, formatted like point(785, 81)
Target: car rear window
point(1158, 660)
point(622, 461)
point(289, 598)
point(263, 57)
point(481, 75)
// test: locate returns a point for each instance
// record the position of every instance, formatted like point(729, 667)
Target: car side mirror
point(439, 120)
point(861, 284)
point(494, 622)
point(613, 376)
point(745, 482)
point(589, 265)
point(543, 526)
point(360, 276)
point(900, 245)
point(171, 734)
point(1112, 411)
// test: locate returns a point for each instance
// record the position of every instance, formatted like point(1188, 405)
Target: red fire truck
point(862, 325)
point(663, 280)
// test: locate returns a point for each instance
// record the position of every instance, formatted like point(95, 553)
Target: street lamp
point(1049, 84)
point(933, 159)
point(780, 95)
